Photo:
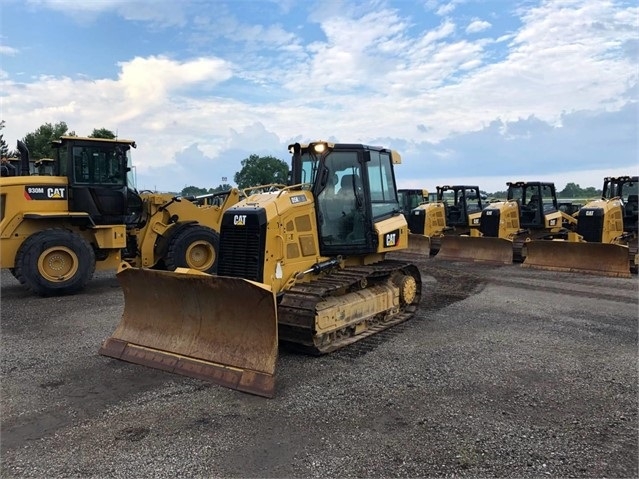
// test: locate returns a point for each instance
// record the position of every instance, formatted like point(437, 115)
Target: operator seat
point(351, 223)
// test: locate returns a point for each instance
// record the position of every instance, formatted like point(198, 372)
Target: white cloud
point(9, 51)
point(149, 79)
point(477, 26)
point(446, 8)
point(373, 79)
point(164, 13)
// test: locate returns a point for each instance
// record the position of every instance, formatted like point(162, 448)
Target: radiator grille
point(242, 244)
point(489, 223)
point(416, 220)
point(590, 224)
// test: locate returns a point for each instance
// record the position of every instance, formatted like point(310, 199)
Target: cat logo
point(489, 212)
point(475, 221)
point(55, 193)
point(390, 240)
point(590, 212)
point(552, 222)
point(239, 220)
point(45, 192)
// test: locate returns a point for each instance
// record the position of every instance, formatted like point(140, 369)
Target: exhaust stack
point(24, 159)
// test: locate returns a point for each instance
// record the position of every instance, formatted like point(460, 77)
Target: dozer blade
point(479, 249)
point(418, 245)
point(592, 258)
point(215, 328)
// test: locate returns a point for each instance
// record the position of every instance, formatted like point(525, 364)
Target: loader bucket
point(216, 328)
point(592, 258)
point(480, 249)
point(419, 244)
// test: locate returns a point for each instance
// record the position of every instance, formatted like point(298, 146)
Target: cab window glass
point(382, 184)
point(95, 165)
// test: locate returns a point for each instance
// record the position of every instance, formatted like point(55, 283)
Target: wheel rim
point(200, 255)
point(408, 289)
point(58, 264)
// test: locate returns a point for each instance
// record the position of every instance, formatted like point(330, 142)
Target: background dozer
point(57, 228)
point(506, 227)
point(304, 266)
point(435, 225)
point(409, 199)
point(605, 239)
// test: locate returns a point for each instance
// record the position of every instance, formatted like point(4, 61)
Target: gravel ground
point(503, 372)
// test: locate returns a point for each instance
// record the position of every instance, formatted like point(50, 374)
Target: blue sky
point(468, 91)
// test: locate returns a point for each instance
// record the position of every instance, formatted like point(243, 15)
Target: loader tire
point(194, 247)
point(13, 273)
point(55, 262)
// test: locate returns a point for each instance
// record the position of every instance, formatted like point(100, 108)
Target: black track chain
point(297, 307)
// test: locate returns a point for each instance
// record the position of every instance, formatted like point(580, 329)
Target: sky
point(476, 92)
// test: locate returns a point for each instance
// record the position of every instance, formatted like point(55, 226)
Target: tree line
point(256, 170)
point(571, 190)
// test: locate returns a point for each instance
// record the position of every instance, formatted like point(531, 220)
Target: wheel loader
point(434, 226)
point(506, 227)
point(56, 229)
point(303, 266)
point(605, 239)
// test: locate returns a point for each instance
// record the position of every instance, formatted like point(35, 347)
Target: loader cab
point(535, 200)
point(354, 187)
point(99, 177)
point(459, 202)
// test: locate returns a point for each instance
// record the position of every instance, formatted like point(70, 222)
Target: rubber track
point(297, 306)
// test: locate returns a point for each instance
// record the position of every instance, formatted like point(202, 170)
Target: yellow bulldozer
point(434, 226)
point(409, 199)
point(84, 214)
point(303, 266)
point(506, 227)
point(604, 241)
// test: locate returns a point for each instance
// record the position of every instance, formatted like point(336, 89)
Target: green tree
point(499, 195)
point(224, 187)
point(193, 191)
point(261, 170)
point(102, 133)
point(572, 190)
point(39, 141)
point(5, 152)
point(591, 192)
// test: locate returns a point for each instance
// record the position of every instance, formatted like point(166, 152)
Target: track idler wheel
point(407, 289)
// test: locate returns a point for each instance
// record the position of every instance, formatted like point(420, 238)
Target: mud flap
point(479, 249)
point(591, 258)
point(418, 245)
point(216, 328)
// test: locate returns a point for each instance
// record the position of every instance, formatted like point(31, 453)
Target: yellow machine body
point(274, 286)
point(456, 212)
point(599, 246)
point(165, 217)
point(56, 229)
point(31, 204)
point(507, 227)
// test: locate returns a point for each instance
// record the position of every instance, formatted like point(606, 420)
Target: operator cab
point(99, 173)
point(459, 201)
point(627, 189)
point(409, 199)
point(535, 200)
point(354, 187)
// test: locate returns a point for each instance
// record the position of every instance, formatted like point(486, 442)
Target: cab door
point(98, 181)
